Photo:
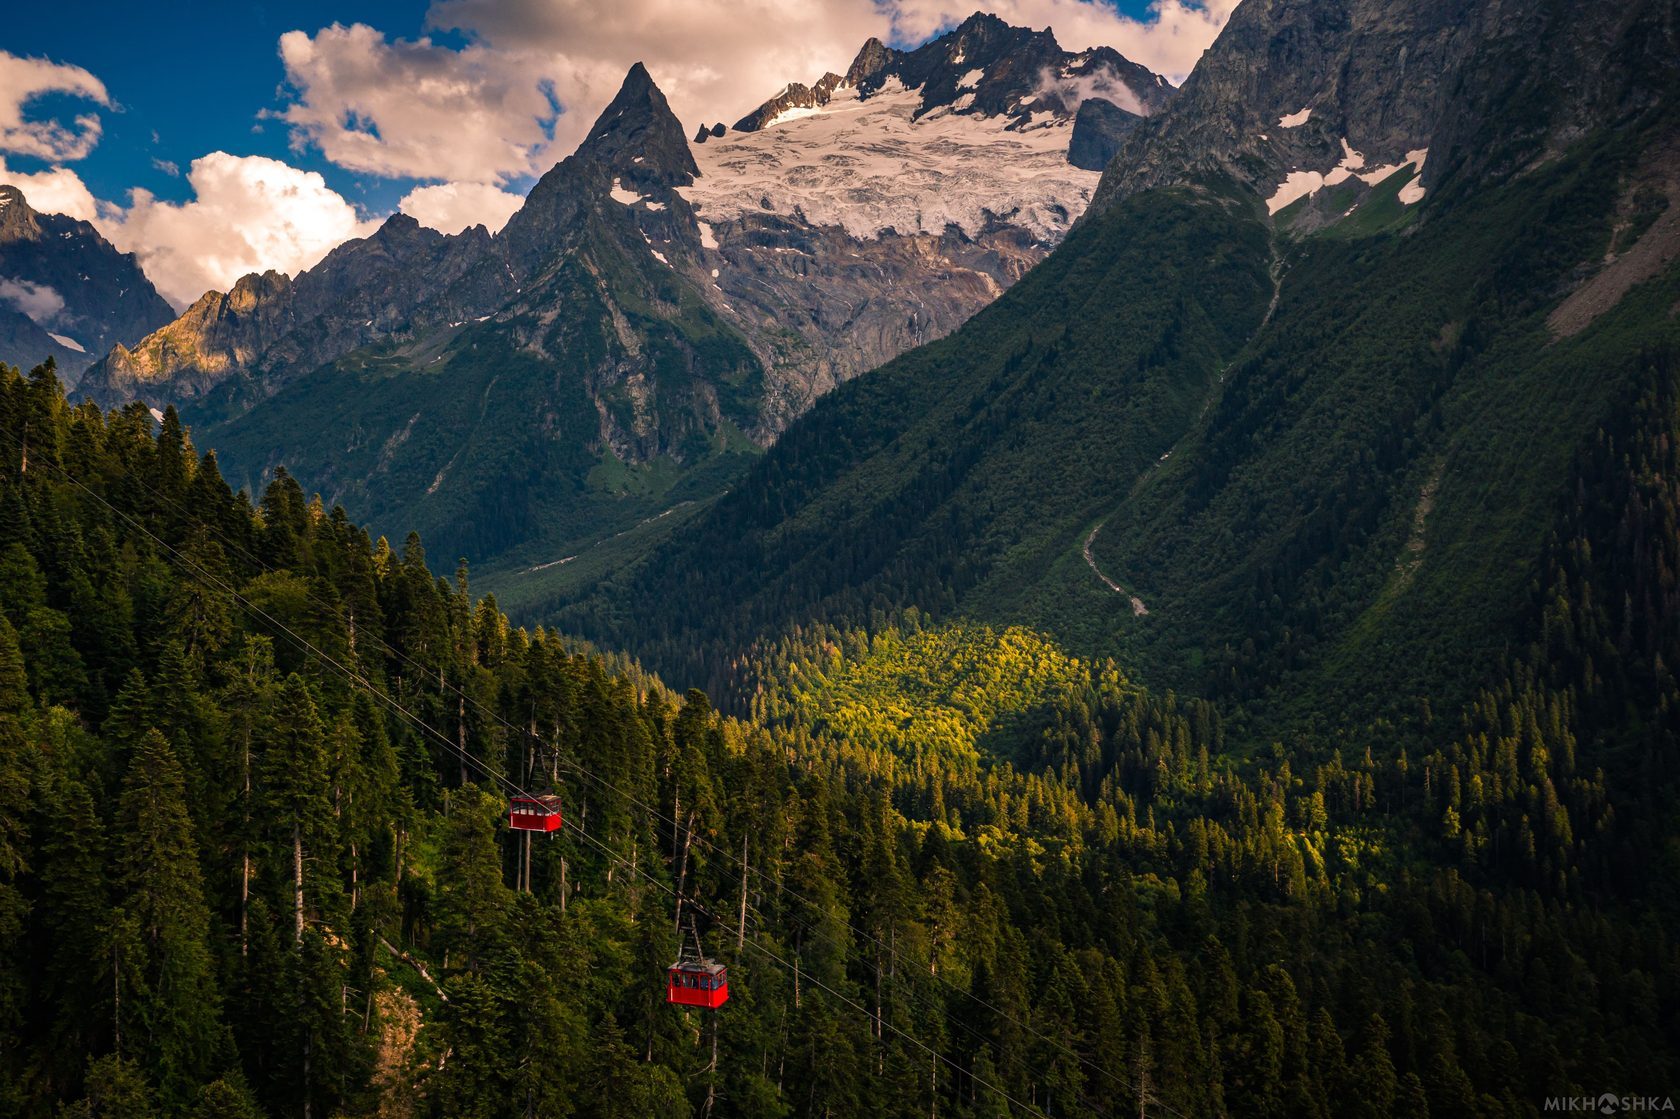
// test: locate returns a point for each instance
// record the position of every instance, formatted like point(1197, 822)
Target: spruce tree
point(167, 1005)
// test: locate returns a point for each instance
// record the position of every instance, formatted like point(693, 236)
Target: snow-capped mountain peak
point(970, 130)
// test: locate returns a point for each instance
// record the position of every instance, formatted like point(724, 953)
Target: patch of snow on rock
point(708, 239)
point(1351, 161)
point(1296, 119)
point(970, 79)
point(796, 112)
point(624, 197)
point(1413, 191)
point(1299, 184)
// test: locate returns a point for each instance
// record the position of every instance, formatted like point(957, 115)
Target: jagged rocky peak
point(639, 139)
point(221, 333)
point(1099, 128)
point(794, 100)
point(17, 219)
point(259, 291)
point(873, 59)
point(986, 67)
point(73, 294)
point(399, 238)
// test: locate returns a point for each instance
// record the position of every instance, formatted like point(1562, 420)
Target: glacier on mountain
point(873, 165)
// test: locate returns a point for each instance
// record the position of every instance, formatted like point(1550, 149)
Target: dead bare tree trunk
point(682, 872)
point(461, 728)
point(297, 880)
point(711, 1072)
point(741, 926)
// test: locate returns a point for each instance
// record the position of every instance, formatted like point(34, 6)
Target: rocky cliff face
point(1099, 128)
point(1297, 97)
point(65, 292)
point(218, 335)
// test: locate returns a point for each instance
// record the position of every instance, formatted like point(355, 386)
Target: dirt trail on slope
point(1275, 271)
point(1138, 608)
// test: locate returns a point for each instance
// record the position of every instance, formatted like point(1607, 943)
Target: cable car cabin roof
point(698, 967)
point(534, 813)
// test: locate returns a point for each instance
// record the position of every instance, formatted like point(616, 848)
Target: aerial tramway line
point(695, 979)
point(543, 814)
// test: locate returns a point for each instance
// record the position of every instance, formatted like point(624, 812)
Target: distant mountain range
point(658, 311)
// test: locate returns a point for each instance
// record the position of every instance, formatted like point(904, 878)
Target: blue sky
point(234, 137)
point(193, 78)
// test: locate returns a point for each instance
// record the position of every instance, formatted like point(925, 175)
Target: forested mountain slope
point(252, 857)
point(1308, 457)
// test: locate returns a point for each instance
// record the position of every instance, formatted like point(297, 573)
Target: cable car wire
point(891, 952)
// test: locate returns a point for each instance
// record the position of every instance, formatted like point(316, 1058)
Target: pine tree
point(296, 801)
point(226, 1098)
point(116, 1089)
point(168, 1007)
point(473, 899)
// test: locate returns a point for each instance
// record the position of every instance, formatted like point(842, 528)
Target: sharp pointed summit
point(639, 137)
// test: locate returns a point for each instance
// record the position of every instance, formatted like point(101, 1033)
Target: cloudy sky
point(219, 138)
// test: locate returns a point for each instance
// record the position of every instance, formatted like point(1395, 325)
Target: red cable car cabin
point(534, 813)
point(697, 983)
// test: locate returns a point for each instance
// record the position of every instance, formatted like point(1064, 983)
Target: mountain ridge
point(65, 291)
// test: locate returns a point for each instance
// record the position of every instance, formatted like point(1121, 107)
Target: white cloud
point(39, 301)
point(452, 207)
point(57, 190)
point(1103, 82)
point(249, 213)
point(22, 80)
point(405, 109)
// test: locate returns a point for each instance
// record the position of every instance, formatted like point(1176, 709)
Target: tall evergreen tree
point(168, 1007)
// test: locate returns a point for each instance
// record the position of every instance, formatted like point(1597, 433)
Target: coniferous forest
point(1033, 578)
point(254, 857)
